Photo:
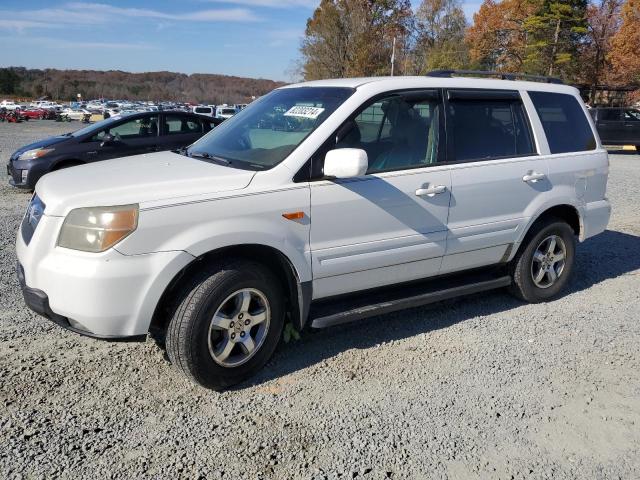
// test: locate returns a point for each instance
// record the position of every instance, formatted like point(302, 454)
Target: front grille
point(35, 210)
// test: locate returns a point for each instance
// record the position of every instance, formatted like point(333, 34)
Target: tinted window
point(609, 115)
point(631, 116)
point(397, 132)
point(136, 128)
point(564, 122)
point(178, 124)
point(484, 129)
point(203, 110)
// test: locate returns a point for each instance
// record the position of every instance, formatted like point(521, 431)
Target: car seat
point(409, 135)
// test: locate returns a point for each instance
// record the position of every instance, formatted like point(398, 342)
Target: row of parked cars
point(118, 136)
point(376, 195)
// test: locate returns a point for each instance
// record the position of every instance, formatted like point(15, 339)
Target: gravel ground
point(485, 387)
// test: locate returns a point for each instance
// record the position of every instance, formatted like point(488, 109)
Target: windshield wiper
point(208, 156)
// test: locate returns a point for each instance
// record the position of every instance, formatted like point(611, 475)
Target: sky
point(252, 38)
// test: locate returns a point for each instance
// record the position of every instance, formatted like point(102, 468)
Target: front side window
point(564, 122)
point(398, 132)
point(132, 129)
point(483, 129)
point(269, 129)
point(178, 124)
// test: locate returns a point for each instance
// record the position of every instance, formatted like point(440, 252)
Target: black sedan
point(130, 134)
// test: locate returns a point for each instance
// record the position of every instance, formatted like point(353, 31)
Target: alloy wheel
point(548, 261)
point(239, 327)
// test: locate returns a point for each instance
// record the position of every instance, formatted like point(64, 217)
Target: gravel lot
point(485, 387)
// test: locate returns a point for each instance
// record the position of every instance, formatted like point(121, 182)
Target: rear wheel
point(227, 324)
point(542, 267)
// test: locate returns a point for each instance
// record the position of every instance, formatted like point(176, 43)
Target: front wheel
point(542, 267)
point(227, 324)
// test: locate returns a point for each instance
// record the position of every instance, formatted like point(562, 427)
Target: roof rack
point(501, 75)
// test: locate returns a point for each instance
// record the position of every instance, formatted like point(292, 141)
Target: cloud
point(279, 38)
point(219, 15)
point(310, 4)
point(82, 14)
point(49, 42)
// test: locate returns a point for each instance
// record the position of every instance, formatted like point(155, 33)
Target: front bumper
point(34, 168)
point(38, 301)
point(107, 295)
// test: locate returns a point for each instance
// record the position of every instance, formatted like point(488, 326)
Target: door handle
point(533, 177)
point(431, 191)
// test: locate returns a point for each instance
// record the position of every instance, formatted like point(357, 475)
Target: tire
point(533, 279)
point(197, 347)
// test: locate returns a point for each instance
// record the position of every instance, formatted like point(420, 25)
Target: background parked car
point(116, 137)
point(617, 126)
point(223, 112)
point(208, 110)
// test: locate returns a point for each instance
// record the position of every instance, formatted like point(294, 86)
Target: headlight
point(35, 153)
point(95, 229)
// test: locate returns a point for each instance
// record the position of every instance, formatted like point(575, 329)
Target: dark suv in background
point(116, 137)
point(617, 125)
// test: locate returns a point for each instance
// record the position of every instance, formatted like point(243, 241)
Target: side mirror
point(346, 163)
point(107, 139)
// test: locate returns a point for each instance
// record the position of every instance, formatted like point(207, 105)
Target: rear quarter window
point(564, 122)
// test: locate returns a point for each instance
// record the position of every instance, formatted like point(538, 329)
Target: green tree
point(441, 27)
point(554, 35)
point(9, 81)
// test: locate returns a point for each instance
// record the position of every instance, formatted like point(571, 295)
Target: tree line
point(582, 42)
point(66, 84)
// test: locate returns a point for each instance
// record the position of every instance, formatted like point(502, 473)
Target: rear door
point(496, 174)
point(180, 130)
point(631, 126)
point(610, 125)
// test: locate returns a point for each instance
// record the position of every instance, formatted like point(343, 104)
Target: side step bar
point(329, 313)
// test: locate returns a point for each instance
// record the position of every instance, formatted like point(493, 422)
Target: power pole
point(393, 55)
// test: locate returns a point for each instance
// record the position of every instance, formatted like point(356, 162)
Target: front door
point(390, 225)
point(497, 174)
point(130, 137)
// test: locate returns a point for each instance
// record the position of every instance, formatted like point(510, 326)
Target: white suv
point(385, 192)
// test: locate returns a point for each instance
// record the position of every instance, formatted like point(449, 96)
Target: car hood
point(47, 142)
point(156, 178)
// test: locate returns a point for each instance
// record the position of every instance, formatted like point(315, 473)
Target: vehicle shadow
point(608, 255)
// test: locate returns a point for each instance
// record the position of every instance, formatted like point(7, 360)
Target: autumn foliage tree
point(603, 20)
point(625, 45)
point(351, 38)
point(497, 38)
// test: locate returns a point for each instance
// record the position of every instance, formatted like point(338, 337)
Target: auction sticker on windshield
point(304, 112)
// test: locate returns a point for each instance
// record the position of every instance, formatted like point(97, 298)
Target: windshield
point(269, 129)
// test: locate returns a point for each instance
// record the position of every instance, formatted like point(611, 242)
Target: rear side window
point(564, 122)
point(486, 128)
point(176, 124)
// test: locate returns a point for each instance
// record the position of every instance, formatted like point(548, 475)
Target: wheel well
point(272, 258)
point(67, 163)
point(567, 213)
